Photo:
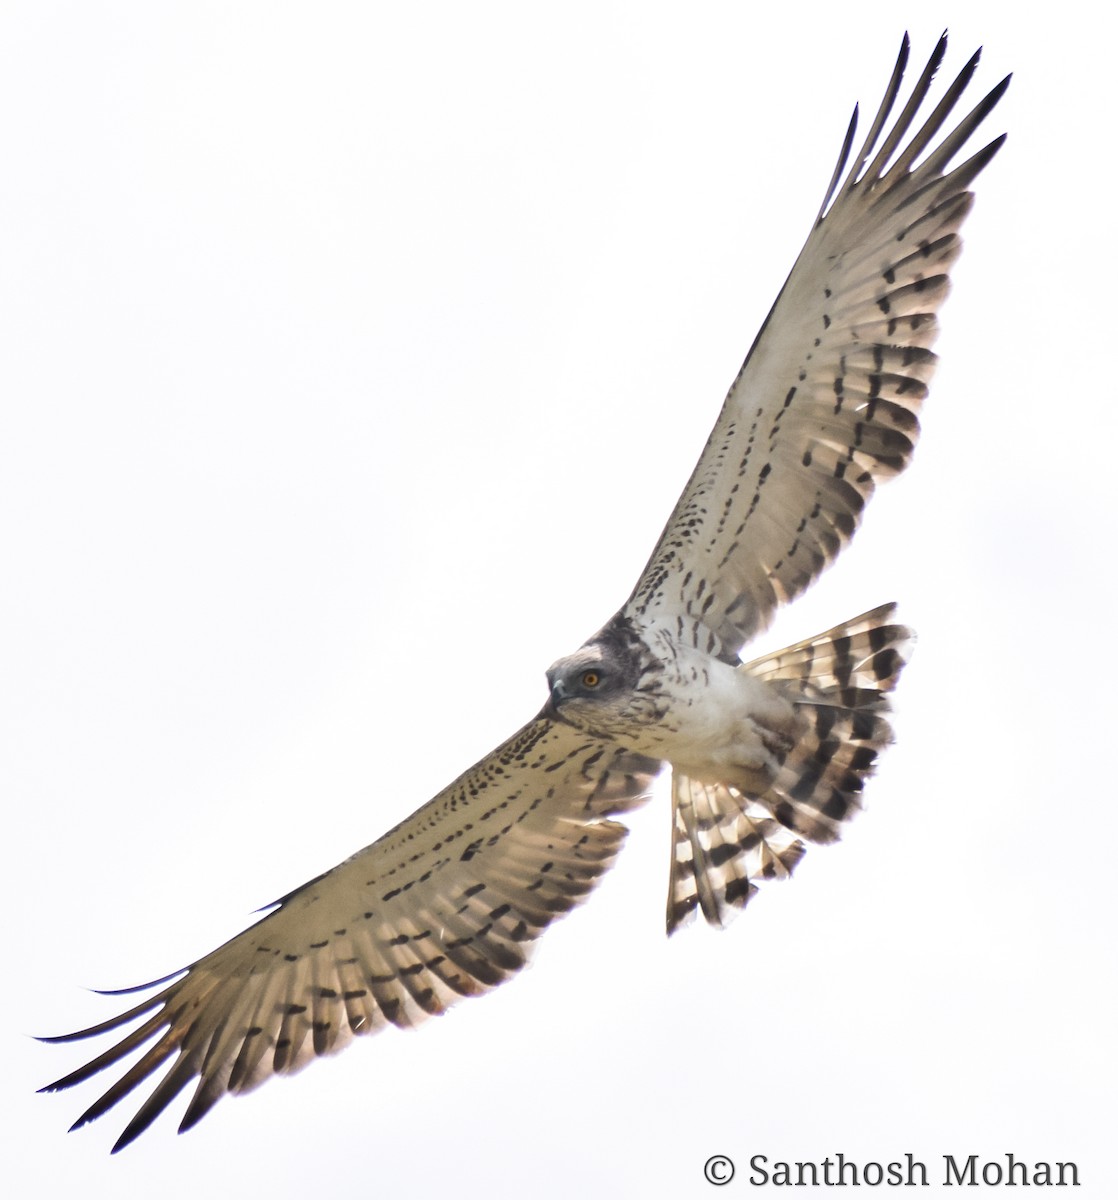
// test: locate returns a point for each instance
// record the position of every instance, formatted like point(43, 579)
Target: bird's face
point(584, 675)
point(592, 688)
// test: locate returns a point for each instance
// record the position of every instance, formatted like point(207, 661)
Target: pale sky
point(354, 356)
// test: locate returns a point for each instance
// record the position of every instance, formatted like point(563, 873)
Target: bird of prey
point(763, 755)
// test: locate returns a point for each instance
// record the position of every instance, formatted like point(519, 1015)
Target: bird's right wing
point(444, 905)
point(826, 403)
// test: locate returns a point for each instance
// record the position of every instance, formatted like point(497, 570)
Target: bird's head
point(594, 686)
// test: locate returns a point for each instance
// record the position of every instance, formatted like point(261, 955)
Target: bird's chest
point(716, 722)
point(706, 701)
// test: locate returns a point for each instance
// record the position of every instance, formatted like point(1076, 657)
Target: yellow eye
point(591, 679)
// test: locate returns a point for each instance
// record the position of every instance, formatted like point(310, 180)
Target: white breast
point(722, 724)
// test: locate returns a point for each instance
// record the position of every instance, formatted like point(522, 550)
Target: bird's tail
point(724, 840)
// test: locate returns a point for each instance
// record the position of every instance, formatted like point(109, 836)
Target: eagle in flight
point(764, 755)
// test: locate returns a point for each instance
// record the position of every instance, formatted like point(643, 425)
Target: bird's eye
point(591, 679)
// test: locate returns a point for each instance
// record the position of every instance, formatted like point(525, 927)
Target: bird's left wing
point(826, 404)
point(444, 905)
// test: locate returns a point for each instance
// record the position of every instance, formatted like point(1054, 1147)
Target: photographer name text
point(952, 1170)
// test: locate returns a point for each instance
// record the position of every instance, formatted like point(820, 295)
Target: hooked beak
point(555, 698)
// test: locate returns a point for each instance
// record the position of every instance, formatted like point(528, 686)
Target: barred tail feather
point(721, 842)
point(724, 841)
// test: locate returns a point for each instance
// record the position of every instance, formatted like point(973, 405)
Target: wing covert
point(445, 905)
point(827, 402)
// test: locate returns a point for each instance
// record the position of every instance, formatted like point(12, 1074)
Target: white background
point(353, 357)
